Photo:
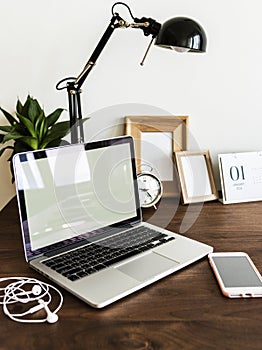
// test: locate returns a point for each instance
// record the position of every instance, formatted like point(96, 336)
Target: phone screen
point(236, 271)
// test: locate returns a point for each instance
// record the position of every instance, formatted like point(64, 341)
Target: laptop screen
point(71, 193)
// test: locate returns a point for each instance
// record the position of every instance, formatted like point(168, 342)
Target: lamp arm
point(148, 25)
point(73, 86)
point(114, 23)
point(187, 30)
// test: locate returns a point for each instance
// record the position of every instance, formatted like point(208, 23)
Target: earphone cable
point(15, 292)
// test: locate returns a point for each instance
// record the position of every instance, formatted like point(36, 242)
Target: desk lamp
point(180, 34)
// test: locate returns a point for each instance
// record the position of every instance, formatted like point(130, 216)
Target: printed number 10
point(237, 172)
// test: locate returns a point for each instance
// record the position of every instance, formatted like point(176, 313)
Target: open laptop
point(81, 222)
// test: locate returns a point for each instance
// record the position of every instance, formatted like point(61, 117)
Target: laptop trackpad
point(147, 267)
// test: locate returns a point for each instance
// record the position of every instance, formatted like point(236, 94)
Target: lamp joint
point(73, 92)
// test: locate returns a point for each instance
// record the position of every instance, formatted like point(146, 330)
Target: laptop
point(81, 222)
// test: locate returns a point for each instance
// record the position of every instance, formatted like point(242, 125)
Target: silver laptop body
point(83, 198)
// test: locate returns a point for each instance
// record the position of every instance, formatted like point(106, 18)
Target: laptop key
point(59, 266)
point(95, 257)
point(50, 263)
point(99, 267)
point(168, 239)
point(73, 277)
point(120, 258)
point(114, 260)
point(90, 270)
point(73, 270)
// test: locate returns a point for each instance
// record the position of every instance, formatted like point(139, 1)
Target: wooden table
point(183, 311)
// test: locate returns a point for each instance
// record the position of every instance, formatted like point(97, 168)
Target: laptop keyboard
point(94, 257)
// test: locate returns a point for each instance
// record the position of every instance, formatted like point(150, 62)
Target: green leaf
point(60, 129)
point(53, 117)
point(56, 143)
point(21, 129)
point(38, 123)
point(32, 142)
point(12, 135)
point(9, 117)
point(6, 128)
point(20, 147)
point(19, 107)
point(25, 107)
point(34, 109)
point(43, 129)
point(57, 131)
point(1, 137)
point(28, 124)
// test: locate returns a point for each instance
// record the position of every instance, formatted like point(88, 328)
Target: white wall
point(44, 41)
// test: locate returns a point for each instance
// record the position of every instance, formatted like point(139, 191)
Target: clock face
point(150, 189)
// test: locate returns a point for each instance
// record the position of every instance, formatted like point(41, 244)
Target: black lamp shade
point(181, 33)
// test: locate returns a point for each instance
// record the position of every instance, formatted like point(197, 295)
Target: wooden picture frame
point(196, 176)
point(156, 138)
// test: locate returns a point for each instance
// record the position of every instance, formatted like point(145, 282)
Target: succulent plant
point(31, 129)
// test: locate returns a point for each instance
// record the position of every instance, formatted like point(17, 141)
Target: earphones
point(25, 290)
point(51, 316)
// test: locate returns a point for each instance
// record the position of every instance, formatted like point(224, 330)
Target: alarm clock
point(150, 189)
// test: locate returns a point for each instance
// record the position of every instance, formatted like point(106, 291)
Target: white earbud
point(36, 290)
point(51, 316)
point(18, 291)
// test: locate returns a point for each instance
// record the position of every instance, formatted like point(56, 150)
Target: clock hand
point(149, 195)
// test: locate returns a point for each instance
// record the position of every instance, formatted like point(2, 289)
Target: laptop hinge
point(34, 257)
point(135, 223)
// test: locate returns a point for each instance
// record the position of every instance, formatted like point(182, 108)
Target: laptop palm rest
point(147, 266)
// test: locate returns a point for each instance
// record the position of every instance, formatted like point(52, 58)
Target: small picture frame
point(196, 176)
point(156, 138)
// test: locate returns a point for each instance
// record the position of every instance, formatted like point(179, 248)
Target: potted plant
point(31, 129)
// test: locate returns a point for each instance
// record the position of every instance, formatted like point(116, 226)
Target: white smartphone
point(236, 274)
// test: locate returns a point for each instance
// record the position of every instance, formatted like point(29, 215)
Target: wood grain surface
point(183, 311)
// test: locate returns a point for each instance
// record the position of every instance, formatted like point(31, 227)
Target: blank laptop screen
point(75, 190)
